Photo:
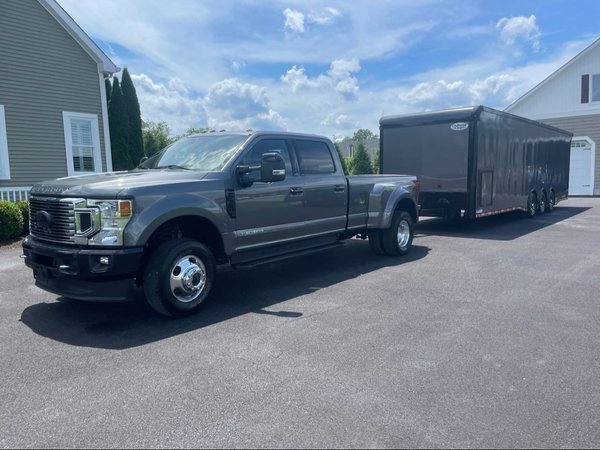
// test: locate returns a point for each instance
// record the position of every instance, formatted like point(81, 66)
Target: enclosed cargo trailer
point(477, 161)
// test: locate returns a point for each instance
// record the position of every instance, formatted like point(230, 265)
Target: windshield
point(204, 153)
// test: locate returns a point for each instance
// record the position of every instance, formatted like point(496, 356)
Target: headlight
point(112, 217)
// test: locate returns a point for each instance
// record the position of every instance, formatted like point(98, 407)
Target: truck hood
point(111, 184)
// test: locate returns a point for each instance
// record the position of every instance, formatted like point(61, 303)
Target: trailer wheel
point(179, 277)
point(375, 238)
point(531, 204)
point(551, 201)
point(397, 239)
point(543, 204)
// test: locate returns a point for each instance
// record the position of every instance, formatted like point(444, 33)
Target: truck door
point(325, 188)
point(268, 213)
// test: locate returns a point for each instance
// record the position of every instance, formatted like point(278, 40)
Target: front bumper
point(80, 273)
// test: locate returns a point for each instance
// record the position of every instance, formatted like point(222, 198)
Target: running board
point(272, 259)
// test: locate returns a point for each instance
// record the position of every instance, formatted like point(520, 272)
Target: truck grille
point(52, 219)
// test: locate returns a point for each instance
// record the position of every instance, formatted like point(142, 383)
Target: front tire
point(179, 277)
point(397, 239)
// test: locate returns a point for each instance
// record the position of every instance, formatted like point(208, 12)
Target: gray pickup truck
point(219, 198)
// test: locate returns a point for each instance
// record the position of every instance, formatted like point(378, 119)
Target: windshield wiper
point(172, 166)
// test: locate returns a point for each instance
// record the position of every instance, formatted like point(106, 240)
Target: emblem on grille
point(44, 219)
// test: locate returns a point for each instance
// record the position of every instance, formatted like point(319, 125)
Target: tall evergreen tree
point(119, 124)
point(361, 163)
point(132, 106)
point(108, 89)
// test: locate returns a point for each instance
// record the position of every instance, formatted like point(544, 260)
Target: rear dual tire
point(395, 240)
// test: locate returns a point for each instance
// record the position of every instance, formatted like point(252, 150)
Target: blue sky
point(330, 67)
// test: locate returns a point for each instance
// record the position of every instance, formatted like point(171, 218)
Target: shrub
point(24, 207)
point(11, 221)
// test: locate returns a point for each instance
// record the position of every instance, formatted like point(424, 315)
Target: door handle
point(339, 188)
point(296, 190)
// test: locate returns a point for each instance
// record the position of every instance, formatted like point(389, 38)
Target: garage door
point(580, 168)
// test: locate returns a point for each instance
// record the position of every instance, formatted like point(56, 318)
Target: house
point(53, 111)
point(348, 146)
point(570, 99)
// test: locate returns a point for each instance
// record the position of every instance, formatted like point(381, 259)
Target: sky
point(330, 67)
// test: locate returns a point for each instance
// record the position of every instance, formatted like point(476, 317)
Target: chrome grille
point(52, 219)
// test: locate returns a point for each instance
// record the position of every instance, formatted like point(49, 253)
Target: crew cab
point(216, 198)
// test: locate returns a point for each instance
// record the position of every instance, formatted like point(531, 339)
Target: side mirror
point(272, 168)
point(143, 160)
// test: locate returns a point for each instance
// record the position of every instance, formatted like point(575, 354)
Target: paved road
point(486, 336)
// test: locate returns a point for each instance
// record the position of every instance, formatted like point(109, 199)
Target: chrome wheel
point(403, 233)
point(542, 205)
point(187, 278)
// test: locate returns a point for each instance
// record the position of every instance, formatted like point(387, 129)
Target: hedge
point(24, 207)
point(11, 221)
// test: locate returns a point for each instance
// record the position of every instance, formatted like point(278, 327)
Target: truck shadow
point(126, 325)
point(502, 227)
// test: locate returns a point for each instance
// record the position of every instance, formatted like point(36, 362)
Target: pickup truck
point(216, 198)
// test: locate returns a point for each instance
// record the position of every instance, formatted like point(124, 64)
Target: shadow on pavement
point(125, 325)
point(503, 227)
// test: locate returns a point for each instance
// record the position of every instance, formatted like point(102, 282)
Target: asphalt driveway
point(486, 335)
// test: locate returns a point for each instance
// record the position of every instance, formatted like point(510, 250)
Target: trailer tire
point(375, 242)
point(551, 201)
point(532, 205)
point(179, 277)
point(397, 239)
point(542, 204)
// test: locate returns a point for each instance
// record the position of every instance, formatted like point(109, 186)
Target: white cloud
point(515, 28)
point(294, 20)
point(325, 17)
point(232, 104)
point(171, 102)
point(296, 78)
point(428, 92)
point(338, 121)
point(493, 86)
point(339, 78)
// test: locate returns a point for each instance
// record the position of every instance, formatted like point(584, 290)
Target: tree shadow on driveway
point(124, 325)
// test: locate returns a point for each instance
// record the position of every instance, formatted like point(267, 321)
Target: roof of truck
point(261, 133)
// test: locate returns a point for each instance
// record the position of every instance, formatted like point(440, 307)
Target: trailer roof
point(446, 115)
point(455, 115)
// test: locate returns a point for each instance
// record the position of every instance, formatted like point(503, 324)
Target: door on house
point(580, 167)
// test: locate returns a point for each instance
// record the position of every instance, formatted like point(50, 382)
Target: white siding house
point(570, 99)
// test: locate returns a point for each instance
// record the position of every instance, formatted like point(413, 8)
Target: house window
point(82, 142)
point(590, 84)
point(595, 88)
point(4, 167)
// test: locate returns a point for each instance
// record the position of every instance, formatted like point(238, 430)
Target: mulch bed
point(14, 243)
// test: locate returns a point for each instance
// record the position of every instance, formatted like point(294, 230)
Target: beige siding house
point(53, 112)
point(570, 99)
